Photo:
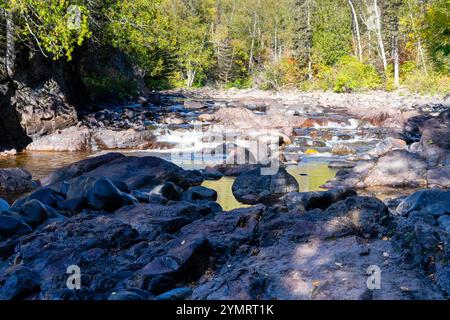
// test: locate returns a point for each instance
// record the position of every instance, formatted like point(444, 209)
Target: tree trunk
point(10, 58)
point(358, 35)
point(253, 35)
point(396, 62)
point(308, 22)
point(379, 35)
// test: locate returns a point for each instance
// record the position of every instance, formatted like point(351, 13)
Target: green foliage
point(109, 88)
point(431, 83)
point(348, 75)
point(56, 27)
point(437, 32)
point(332, 34)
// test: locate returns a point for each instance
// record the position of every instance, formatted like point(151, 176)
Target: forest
point(338, 45)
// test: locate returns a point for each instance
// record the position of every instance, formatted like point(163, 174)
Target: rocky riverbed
point(151, 222)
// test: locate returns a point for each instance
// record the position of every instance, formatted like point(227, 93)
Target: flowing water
point(307, 157)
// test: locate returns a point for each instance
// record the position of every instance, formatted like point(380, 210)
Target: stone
point(175, 294)
point(389, 144)
point(316, 200)
point(343, 149)
point(337, 164)
point(78, 168)
point(168, 190)
point(253, 183)
point(431, 201)
point(70, 139)
point(10, 226)
point(100, 193)
point(210, 173)
point(4, 206)
point(398, 168)
point(123, 139)
point(444, 222)
point(20, 283)
point(128, 295)
point(16, 180)
point(33, 213)
point(439, 177)
point(200, 193)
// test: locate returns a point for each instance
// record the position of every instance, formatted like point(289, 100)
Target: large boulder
point(78, 168)
point(69, 139)
point(100, 193)
point(316, 200)
point(145, 173)
point(20, 283)
point(10, 226)
point(16, 180)
point(435, 140)
point(398, 168)
point(430, 201)
point(253, 187)
point(122, 139)
point(4, 206)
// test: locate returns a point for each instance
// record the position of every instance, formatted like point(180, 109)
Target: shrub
point(108, 88)
point(353, 75)
point(433, 83)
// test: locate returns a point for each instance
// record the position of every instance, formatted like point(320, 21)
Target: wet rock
point(73, 206)
point(33, 213)
point(78, 168)
point(210, 173)
point(69, 139)
point(175, 294)
point(100, 193)
point(16, 180)
point(341, 164)
point(316, 200)
point(431, 201)
point(398, 168)
point(157, 199)
point(145, 173)
point(140, 196)
point(20, 283)
point(169, 190)
point(46, 196)
point(200, 193)
point(4, 206)
point(255, 184)
point(10, 226)
point(444, 222)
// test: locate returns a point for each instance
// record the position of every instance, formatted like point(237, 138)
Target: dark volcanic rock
point(433, 201)
point(200, 193)
point(100, 193)
point(316, 200)
point(20, 283)
point(10, 226)
point(252, 187)
point(78, 168)
point(16, 180)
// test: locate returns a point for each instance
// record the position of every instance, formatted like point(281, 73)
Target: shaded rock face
point(16, 180)
point(433, 202)
point(12, 135)
point(435, 140)
point(253, 187)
